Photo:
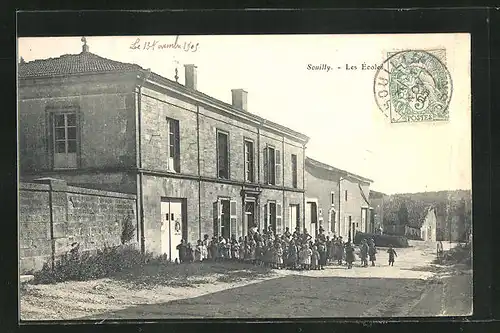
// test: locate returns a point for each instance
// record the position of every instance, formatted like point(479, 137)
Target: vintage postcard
point(255, 176)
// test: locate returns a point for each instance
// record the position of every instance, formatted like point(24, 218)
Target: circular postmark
point(413, 86)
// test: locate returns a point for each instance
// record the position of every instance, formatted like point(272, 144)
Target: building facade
point(421, 226)
point(428, 228)
point(337, 200)
point(197, 165)
point(377, 202)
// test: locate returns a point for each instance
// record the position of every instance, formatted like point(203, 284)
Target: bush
point(382, 240)
point(76, 266)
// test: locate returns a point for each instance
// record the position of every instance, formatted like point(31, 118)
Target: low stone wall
point(54, 217)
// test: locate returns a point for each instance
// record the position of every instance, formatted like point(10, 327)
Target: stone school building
point(197, 165)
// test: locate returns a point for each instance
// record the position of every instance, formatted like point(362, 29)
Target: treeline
point(453, 211)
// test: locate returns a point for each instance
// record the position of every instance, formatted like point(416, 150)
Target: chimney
point(190, 76)
point(240, 99)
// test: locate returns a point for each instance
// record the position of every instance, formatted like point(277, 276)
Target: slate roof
point(318, 164)
point(73, 64)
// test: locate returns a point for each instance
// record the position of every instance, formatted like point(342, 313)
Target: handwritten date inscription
point(152, 45)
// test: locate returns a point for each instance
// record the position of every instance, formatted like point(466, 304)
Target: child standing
point(252, 249)
point(243, 247)
point(349, 255)
point(205, 246)
point(198, 252)
point(372, 251)
point(235, 249)
point(189, 253)
point(279, 255)
point(392, 253)
point(315, 258)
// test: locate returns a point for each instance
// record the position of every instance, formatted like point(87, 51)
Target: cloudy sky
point(335, 108)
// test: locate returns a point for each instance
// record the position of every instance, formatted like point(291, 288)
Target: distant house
point(336, 200)
point(421, 224)
point(377, 218)
point(428, 228)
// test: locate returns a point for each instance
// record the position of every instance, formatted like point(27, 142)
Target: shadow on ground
point(290, 296)
point(188, 275)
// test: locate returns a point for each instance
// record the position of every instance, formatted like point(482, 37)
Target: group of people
point(289, 250)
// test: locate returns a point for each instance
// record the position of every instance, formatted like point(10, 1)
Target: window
point(64, 140)
point(345, 195)
point(273, 217)
point(173, 145)
point(332, 197)
point(222, 155)
point(272, 166)
point(294, 171)
point(249, 164)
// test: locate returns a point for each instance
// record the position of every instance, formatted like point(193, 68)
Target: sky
point(335, 108)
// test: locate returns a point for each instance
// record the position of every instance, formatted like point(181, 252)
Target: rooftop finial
point(22, 61)
point(85, 47)
point(176, 77)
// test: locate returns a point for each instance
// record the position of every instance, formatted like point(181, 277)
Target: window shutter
point(265, 216)
point(177, 147)
point(234, 227)
point(278, 166)
point(279, 219)
point(266, 166)
point(216, 212)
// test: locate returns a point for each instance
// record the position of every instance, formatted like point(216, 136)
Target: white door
point(171, 228)
point(308, 218)
point(175, 228)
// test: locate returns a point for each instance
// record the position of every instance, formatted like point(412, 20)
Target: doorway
point(249, 221)
point(173, 227)
point(293, 217)
point(311, 218)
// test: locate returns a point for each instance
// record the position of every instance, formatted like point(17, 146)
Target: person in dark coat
point(339, 250)
point(349, 254)
point(372, 250)
point(182, 248)
point(364, 253)
point(322, 255)
point(189, 253)
point(392, 253)
point(293, 255)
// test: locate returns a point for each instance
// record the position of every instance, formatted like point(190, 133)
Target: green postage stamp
point(414, 86)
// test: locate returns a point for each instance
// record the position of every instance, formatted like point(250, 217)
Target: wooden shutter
point(266, 166)
point(233, 223)
point(217, 218)
point(279, 219)
point(266, 218)
point(277, 165)
point(177, 147)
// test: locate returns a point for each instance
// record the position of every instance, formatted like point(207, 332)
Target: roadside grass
point(459, 255)
point(129, 267)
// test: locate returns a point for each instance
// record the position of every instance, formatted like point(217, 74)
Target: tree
point(402, 214)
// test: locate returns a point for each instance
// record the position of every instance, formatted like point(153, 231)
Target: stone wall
point(53, 217)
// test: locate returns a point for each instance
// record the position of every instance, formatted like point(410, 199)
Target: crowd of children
point(287, 251)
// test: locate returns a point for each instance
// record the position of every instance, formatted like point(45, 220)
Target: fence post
point(58, 207)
